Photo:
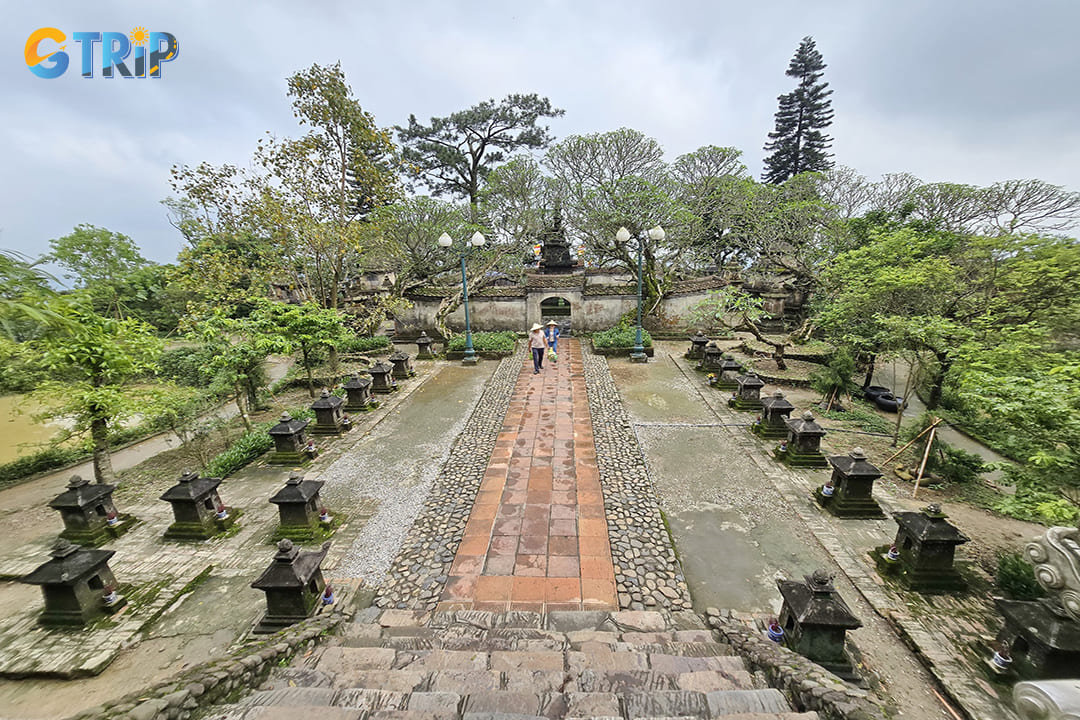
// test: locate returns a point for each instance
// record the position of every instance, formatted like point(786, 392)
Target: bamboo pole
point(926, 454)
point(911, 442)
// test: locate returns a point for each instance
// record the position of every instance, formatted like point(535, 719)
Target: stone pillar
point(849, 492)
point(293, 584)
point(289, 441)
point(774, 414)
point(748, 393)
point(815, 620)
point(696, 350)
point(802, 448)
point(77, 584)
point(423, 347)
point(328, 414)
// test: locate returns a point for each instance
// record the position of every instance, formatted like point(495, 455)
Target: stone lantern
point(774, 415)
point(710, 358)
point(851, 487)
point(403, 367)
point(423, 347)
point(1042, 637)
point(729, 370)
point(198, 509)
point(328, 414)
point(289, 441)
point(927, 544)
point(358, 394)
point(748, 394)
point(89, 516)
point(298, 507)
point(77, 584)
point(815, 620)
point(381, 382)
point(293, 585)
point(802, 448)
point(698, 341)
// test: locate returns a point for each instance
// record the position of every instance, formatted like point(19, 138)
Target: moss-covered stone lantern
point(815, 620)
point(926, 543)
point(802, 447)
point(381, 382)
point(696, 351)
point(403, 367)
point(747, 393)
point(289, 441)
point(849, 492)
point(329, 414)
point(423, 347)
point(299, 508)
point(710, 358)
point(89, 515)
point(730, 369)
point(293, 584)
point(774, 414)
point(199, 512)
point(358, 394)
point(77, 584)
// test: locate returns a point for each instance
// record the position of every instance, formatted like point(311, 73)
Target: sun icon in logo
point(138, 35)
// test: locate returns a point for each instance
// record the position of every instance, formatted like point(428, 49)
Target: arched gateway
point(558, 309)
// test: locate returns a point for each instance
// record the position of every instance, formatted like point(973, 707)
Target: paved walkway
point(536, 538)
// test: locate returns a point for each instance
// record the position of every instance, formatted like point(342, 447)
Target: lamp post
point(474, 242)
point(623, 236)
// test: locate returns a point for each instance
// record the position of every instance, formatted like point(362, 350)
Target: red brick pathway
point(537, 536)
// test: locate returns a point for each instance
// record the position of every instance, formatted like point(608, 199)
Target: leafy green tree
point(94, 361)
point(98, 260)
point(798, 144)
point(238, 350)
point(319, 190)
point(733, 309)
point(306, 327)
point(605, 181)
point(454, 154)
point(24, 293)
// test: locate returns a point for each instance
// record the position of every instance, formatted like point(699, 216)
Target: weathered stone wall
point(807, 685)
point(218, 680)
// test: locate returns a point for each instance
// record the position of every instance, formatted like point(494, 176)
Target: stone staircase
point(515, 666)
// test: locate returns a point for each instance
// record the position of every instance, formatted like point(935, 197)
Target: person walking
point(538, 343)
point(551, 334)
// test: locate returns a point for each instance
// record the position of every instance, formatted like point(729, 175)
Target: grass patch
point(620, 337)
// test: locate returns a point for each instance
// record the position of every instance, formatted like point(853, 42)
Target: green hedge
point(47, 459)
point(620, 336)
point(364, 344)
point(248, 446)
point(485, 342)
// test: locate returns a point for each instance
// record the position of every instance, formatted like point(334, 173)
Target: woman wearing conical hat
point(538, 344)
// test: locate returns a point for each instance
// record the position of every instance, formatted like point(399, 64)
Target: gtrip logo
point(46, 58)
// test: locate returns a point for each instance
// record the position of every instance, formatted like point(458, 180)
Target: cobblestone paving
point(949, 633)
point(536, 539)
point(420, 570)
point(647, 573)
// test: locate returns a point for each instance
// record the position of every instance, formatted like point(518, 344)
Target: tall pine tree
point(798, 143)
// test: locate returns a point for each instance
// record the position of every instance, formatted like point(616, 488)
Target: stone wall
point(216, 681)
point(807, 685)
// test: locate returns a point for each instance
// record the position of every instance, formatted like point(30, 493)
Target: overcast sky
point(970, 91)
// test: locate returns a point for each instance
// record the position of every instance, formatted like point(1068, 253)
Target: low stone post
point(849, 492)
point(710, 358)
point(403, 367)
point(802, 447)
point(200, 514)
point(358, 394)
point(381, 382)
point(423, 347)
point(696, 351)
point(329, 414)
point(89, 515)
point(926, 545)
point(774, 414)
point(815, 620)
point(289, 441)
point(748, 393)
point(299, 508)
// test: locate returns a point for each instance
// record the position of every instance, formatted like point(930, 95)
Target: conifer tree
point(798, 144)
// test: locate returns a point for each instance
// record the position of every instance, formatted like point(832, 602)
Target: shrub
point(485, 342)
point(47, 459)
point(1036, 505)
point(621, 336)
point(868, 420)
point(357, 344)
point(185, 366)
point(1015, 577)
point(958, 466)
point(248, 446)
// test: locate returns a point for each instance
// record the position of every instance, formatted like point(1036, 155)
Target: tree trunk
point(944, 363)
point(778, 347)
point(103, 469)
point(241, 400)
point(869, 379)
point(307, 369)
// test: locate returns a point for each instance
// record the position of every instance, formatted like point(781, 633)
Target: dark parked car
point(888, 402)
point(871, 392)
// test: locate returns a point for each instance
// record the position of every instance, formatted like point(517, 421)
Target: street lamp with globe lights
point(656, 234)
point(475, 241)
